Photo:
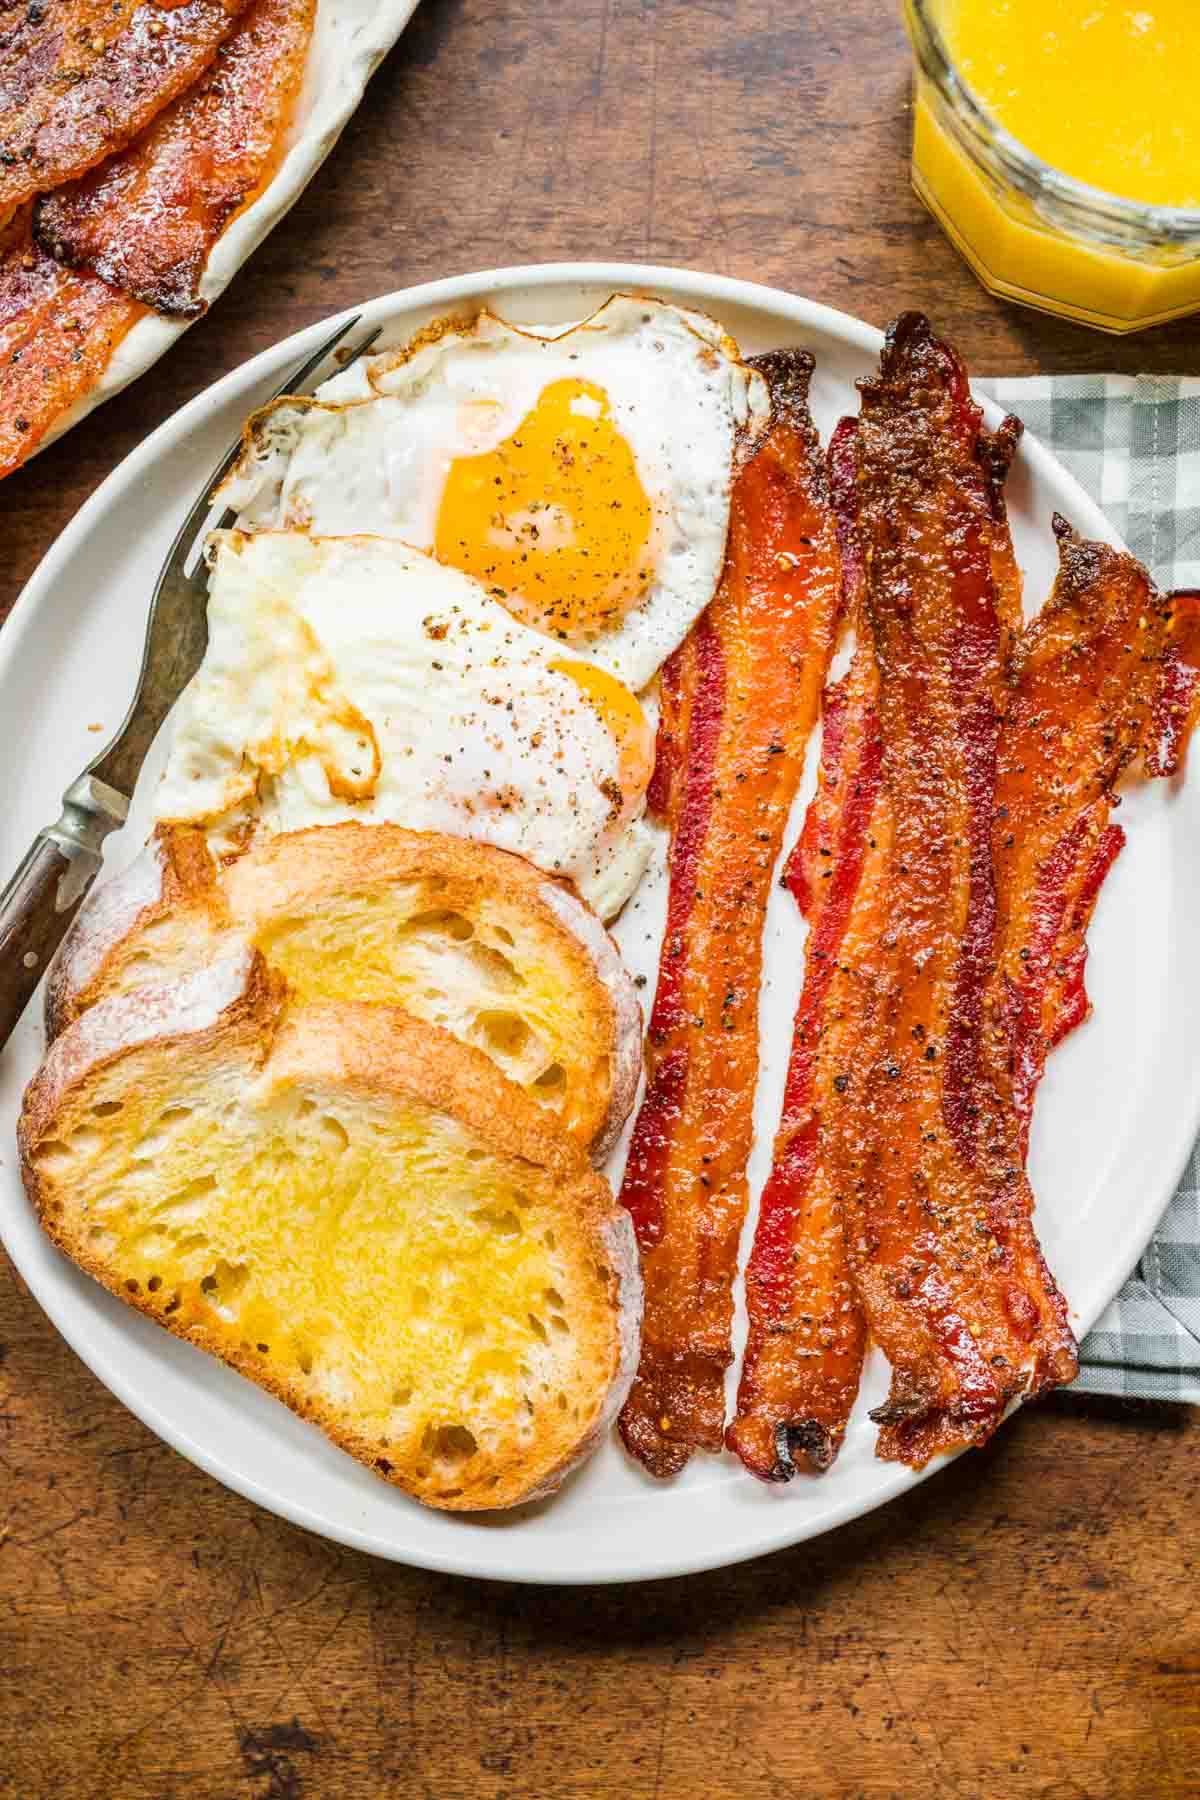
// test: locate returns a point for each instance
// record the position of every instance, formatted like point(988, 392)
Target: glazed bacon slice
point(921, 1148)
point(807, 1336)
point(1177, 703)
point(79, 79)
point(57, 333)
point(1087, 681)
point(739, 703)
point(147, 219)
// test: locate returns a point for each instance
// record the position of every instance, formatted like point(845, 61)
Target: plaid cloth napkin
point(1133, 441)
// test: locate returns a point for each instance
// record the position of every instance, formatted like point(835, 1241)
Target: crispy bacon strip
point(807, 1337)
point(1177, 704)
point(1086, 680)
point(57, 332)
point(922, 1151)
point(1074, 1005)
point(738, 708)
point(80, 79)
point(147, 219)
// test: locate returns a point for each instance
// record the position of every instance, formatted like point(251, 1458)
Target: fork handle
point(44, 895)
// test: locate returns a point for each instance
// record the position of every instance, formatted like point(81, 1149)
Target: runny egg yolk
point(622, 714)
point(554, 521)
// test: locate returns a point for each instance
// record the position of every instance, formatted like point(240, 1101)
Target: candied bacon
point(147, 219)
point(1073, 1004)
point(1106, 670)
point(920, 1147)
point(738, 707)
point(80, 78)
point(1036, 726)
point(807, 1336)
point(1177, 703)
point(674, 684)
point(1085, 682)
point(57, 332)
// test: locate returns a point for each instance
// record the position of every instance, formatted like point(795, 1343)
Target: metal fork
point(44, 895)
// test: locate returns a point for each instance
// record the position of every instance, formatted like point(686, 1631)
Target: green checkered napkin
point(1133, 441)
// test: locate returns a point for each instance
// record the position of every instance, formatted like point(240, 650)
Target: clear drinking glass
point(1030, 232)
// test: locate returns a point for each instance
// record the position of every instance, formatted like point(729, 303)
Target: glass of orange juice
point(1058, 144)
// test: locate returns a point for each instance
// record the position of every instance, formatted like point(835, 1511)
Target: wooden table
point(1023, 1625)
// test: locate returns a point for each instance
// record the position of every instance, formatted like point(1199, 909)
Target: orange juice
point(1103, 89)
point(1013, 96)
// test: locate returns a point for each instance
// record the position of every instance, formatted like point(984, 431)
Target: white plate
point(1117, 1113)
point(350, 39)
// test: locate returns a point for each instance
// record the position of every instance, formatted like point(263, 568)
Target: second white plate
point(350, 39)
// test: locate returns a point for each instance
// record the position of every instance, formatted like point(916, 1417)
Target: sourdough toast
point(458, 933)
point(355, 1210)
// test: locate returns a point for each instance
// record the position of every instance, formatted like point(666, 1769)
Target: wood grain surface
point(1023, 1625)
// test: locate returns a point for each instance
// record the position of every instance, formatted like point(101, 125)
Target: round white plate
point(1116, 1116)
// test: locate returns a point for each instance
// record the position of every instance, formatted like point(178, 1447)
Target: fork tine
point(361, 349)
point(312, 363)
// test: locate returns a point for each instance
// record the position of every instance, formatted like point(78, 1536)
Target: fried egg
point(582, 476)
point(358, 678)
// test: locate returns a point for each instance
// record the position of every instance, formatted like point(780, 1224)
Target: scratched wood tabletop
point(1024, 1624)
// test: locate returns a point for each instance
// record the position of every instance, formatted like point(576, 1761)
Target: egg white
point(357, 678)
point(371, 453)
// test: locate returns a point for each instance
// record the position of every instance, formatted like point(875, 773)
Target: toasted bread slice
point(458, 933)
point(355, 1210)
